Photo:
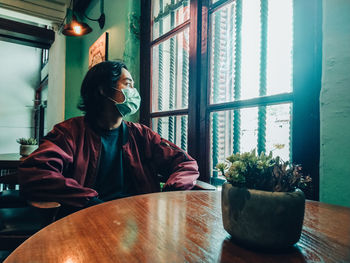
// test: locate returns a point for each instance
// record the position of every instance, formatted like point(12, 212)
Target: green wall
point(334, 98)
point(121, 24)
point(74, 76)
point(335, 104)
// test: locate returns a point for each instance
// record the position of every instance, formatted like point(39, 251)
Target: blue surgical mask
point(131, 103)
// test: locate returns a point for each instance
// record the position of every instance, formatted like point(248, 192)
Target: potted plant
point(27, 145)
point(262, 204)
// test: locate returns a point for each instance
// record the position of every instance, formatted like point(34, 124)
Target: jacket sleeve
point(45, 174)
point(179, 169)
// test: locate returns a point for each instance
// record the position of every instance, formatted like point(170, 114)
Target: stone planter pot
point(261, 219)
point(25, 150)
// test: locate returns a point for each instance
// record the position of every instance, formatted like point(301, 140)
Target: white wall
point(19, 77)
point(56, 89)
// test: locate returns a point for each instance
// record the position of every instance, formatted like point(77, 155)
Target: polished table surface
point(184, 226)
point(9, 160)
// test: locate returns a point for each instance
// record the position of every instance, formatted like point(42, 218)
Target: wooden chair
point(21, 218)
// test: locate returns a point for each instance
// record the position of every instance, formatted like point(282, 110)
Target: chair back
point(20, 218)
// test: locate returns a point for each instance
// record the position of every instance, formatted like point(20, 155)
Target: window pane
point(222, 63)
point(232, 131)
point(250, 50)
point(235, 57)
point(249, 129)
point(221, 137)
point(278, 130)
point(173, 128)
point(264, 128)
point(170, 73)
point(250, 70)
point(168, 14)
point(280, 43)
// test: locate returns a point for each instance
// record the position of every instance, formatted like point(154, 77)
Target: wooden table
point(176, 227)
point(9, 163)
point(9, 160)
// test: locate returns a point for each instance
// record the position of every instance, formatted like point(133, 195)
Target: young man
point(99, 157)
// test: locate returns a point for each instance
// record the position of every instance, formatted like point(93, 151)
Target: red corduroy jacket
point(64, 167)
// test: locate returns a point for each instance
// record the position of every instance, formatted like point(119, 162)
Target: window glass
point(221, 136)
point(222, 55)
point(238, 65)
point(250, 46)
point(278, 130)
point(280, 46)
point(248, 129)
point(233, 131)
point(248, 55)
point(172, 128)
point(238, 131)
point(168, 14)
point(170, 66)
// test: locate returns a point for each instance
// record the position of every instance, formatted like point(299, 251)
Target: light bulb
point(77, 29)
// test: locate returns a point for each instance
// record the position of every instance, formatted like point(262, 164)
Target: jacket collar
point(125, 132)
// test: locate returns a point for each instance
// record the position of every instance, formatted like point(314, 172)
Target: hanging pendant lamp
point(76, 28)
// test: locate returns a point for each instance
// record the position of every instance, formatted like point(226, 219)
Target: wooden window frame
point(307, 68)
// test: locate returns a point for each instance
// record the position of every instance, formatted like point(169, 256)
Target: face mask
point(131, 103)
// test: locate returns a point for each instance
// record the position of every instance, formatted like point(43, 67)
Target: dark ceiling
point(81, 5)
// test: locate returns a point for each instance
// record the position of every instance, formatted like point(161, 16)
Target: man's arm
point(179, 168)
point(43, 174)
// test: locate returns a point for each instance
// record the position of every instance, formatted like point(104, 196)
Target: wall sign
point(98, 50)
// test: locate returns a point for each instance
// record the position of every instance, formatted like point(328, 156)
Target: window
point(250, 59)
point(225, 77)
point(169, 50)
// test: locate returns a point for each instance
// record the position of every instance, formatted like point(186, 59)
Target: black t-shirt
point(110, 179)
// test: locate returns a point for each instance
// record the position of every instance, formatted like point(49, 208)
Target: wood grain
point(181, 226)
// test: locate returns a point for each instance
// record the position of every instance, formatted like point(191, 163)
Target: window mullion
point(184, 87)
point(197, 123)
point(216, 86)
point(171, 78)
point(262, 88)
point(160, 72)
point(237, 81)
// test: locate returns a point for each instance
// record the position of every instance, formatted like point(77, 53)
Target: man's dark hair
point(103, 75)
